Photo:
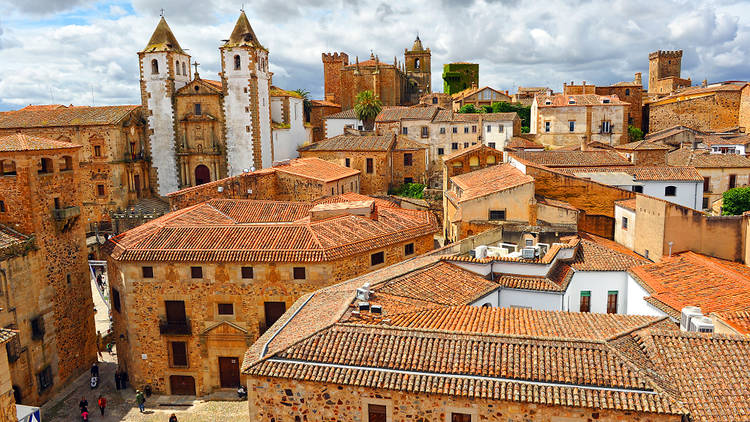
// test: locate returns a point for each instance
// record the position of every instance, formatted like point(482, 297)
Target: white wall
point(689, 194)
point(335, 127)
point(625, 237)
point(286, 141)
point(494, 135)
point(239, 139)
point(738, 149)
point(636, 304)
point(264, 111)
point(510, 298)
point(599, 283)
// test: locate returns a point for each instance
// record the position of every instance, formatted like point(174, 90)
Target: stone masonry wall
point(375, 183)
point(277, 399)
point(714, 112)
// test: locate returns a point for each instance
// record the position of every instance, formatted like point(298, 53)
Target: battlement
point(335, 57)
point(669, 54)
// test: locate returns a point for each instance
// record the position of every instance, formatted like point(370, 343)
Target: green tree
point(409, 190)
point(634, 133)
point(367, 107)
point(524, 112)
point(736, 201)
point(470, 109)
point(306, 103)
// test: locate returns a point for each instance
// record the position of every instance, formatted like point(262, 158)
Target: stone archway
point(202, 175)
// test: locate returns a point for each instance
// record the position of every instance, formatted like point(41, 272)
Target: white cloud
point(515, 43)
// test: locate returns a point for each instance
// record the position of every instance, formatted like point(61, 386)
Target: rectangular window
point(705, 202)
point(732, 181)
point(466, 129)
point(489, 128)
point(454, 146)
point(500, 128)
point(116, 299)
point(247, 272)
point(441, 151)
point(409, 249)
point(13, 347)
point(442, 131)
point(404, 130)
point(473, 129)
point(425, 132)
point(408, 180)
point(606, 127)
point(638, 188)
point(466, 144)
point(585, 301)
point(37, 328)
point(247, 128)
point(377, 258)
point(529, 242)
point(175, 311)
point(2, 206)
point(460, 417)
point(274, 311)
point(455, 129)
point(226, 308)
point(612, 302)
point(546, 126)
point(376, 413)
point(572, 125)
point(491, 144)
point(197, 109)
point(97, 151)
point(299, 273)
point(407, 159)
point(497, 215)
point(348, 162)
point(706, 184)
point(196, 272)
point(179, 353)
point(370, 166)
point(148, 272)
point(624, 223)
point(44, 378)
point(100, 190)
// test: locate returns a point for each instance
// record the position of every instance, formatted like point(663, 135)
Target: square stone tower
point(418, 71)
point(663, 64)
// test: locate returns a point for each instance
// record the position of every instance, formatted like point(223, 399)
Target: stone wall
point(291, 400)
point(375, 183)
point(713, 111)
point(7, 407)
point(261, 184)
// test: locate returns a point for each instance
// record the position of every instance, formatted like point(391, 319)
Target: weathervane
point(162, 12)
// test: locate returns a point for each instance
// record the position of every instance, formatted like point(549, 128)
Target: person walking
point(95, 370)
point(102, 402)
point(173, 418)
point(99, 344)
point(118, 378)
point(83, 404)
point(85, 415)
point(140, 399)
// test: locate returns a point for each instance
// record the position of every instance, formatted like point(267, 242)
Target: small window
point(466, 144)
point(460, 417)
point(57, 203)
point(370, 166)
point(627, 92)
point(247, 272)
point(97, 151)
point(572, 125)
point(179, 353)
point(2, 205)
point(497, 215)
point(148, 272)
point(646, 254)
point(177, 67)
point(45, 166)
point(454, 146)
point(473, 129)
point(408, 180)
point(732, 181)
point(624, 223)
point(100, 190)
point(197, 109)
point(466, 129)
point(377, 258)
point(434, 100)
point(474, 161)
point(612, 302)
point(491, 144)
point(407, 159)
point(442, 131)
point(455, 129)
point(705, 202)
point(605, 101)
point(706, 184)
point(489, 128)
point(299, 273)
point(490, 159)
point(348, 162)
point(37, 328)
point(196, 272)
point(44, 378)
point(425, 132)
point(546, 126)
point(116, 299)
point(670, 191)
point(529, 242)
point(585, 301)
point(376, 413)
point(184, 70)
point(154, 66)
point(500, 128)
point(404, 130)
point(247, 128)
point(606, 126)
point(409, 249)
point(226, 308)
point(441, 151)
point(638, 188)
point(237, 62)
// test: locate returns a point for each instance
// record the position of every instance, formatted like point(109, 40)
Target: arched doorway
point(202, 175)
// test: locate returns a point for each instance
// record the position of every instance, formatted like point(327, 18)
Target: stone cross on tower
point(195, 65)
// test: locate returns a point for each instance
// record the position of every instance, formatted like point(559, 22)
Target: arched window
point(184, 71)
point(177, 68)
point(8, 167)
point(670, 191)
point(66, 163)
point(45, 166)
point(237, 62)
point(487, 305)
point(154, 66)
point(473, 161)
point(490, 159)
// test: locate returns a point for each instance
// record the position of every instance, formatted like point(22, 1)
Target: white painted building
point(336, 123)
point(288, 120)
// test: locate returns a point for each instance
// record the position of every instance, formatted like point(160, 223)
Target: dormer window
point(547, 102)
point(605, 100)
point(571, 100)
point(237, 62)
point(154, 66)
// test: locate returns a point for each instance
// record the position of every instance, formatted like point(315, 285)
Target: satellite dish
point(245, 170)
point(252, 168)
point(221, 189)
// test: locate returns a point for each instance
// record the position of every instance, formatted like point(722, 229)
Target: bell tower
point(247, 108)
point(164, 68)
point(418, 71)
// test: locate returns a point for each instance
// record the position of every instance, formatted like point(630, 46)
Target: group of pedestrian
point(83, 405)
point(121, 379)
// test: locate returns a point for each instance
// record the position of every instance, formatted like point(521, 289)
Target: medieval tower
point(247, 108)
point(164, 68)
point(663, 64)
point(418, 71)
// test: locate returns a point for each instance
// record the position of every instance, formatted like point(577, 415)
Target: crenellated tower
point(164, 68)
point(247, 109)
point(663, 64)
point(333, 64)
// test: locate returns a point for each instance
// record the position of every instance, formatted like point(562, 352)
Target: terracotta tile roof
point(711, 140)
point(520, 143)
point(203, 233)
point(562, 100)
point(18, 142)
point(443, 116)
point(345, 114)
point(278, 92)
point(66, 116)
point(640, 145)
point(554, 203)
point(665, 173)
point(216, 84)
point(703, 159)
point(10, 238)
point(485, 117)
point(626, 203)
point(487, 181)
point(352, 143)
point(471, 91)
point(690, 279)
point(404, 143)
point(315, 168)
point(600, 254)
point(371, 62)
point(573, 158)
point(513, 281)
point(670, 131)
point(6, 335)
point(470, 150)
point(39, 107)
point(686, 93)
point(324, 103)
point(398, 113)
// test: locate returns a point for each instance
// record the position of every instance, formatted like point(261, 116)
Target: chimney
point(704, 83)
point(638, 80)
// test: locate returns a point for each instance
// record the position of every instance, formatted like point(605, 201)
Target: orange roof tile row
point(19, 142)
point(65, 116)
point(704, 159)
point(488, 180)
point(573, 158)
point(645, 173)
point(563, 100)
point(316, 169)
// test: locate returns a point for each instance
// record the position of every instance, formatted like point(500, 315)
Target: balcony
point(180, 328)
point(62, 214)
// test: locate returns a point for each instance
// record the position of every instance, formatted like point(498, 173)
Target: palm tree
point(306, 103)
point(367, 108)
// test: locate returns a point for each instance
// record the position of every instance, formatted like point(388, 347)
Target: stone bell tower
point(418, 71)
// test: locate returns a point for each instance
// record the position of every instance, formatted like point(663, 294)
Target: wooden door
point(202, 175)
point(229, 372)
point(182, 385)
point(175, 310)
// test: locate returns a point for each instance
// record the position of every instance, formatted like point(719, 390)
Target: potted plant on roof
point(367, 108)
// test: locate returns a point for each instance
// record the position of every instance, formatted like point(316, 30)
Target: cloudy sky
point(84, 51)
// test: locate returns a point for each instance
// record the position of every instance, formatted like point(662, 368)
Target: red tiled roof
point(627, 203)
point(703, 159)
point(317, 169)
point(573, 158)
point(666, 173)
point(324, 103)
point(262, 231)
point(485, 117)
point(554, 203)
point(352, 143)
point(18, 142)
point(397, 113)
point(641, 145)
point(470, 150)
point(66, 116)
point(344, 114)
point(690, 279)
point(487, 181)
point(711, 140)
point(520, 143)
point(598, 254)
point(10, 238)
point(562, 100)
